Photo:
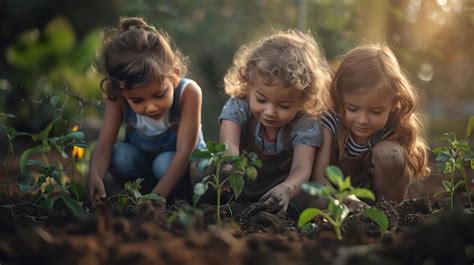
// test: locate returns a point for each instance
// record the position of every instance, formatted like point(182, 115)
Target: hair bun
point(128, 23)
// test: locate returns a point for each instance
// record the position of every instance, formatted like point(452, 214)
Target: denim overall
point(141, 156)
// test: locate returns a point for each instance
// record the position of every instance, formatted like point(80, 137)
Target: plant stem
point(7, 162)
point(466, 183)
point(452, 190)
point(337, 227)
point(73, 170)
point(218, 187)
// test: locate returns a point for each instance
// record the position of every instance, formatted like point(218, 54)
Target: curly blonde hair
point(291, 59)
point(374, 66)
point(134, 54)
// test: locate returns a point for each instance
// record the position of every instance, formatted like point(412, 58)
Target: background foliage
point(48, 48)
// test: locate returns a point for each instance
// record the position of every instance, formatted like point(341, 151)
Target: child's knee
point(123, 158)
point(388, 157)
point(161, 163)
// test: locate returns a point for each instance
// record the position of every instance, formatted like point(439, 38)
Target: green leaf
point(346, 184)
point(363, 193)
point(470, 126)
point(73, 136)
point(236, 184)
point(216, 148)
point(196, 199)
point(257, 163)
point(79, 144)
point(73, 205)
point(121, 203)
point(336, 208)
point(335, 175)
point(202, 164)
point(200, 154)
point(251, 173)
point(40, 181)
point(200, 188)
point(456, 186)
point(469, 156)
point(54, 100)
point(78, 190)
point(55, 175)
point(36, 163)
point(24, 181)
point(154, 197)
point(309, 214)
point(241, 164)
point(447, 185)
point(378, 217)
point(49, 202)
point(28, 152)
point(49, 188)
point(230, 159)
point(312, 188)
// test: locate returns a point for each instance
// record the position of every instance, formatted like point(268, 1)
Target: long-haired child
point(373, 132)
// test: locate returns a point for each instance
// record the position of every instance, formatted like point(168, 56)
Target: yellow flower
point(77, 152)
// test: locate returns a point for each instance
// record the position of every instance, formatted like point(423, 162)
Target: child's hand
point(279, 194)
point(96, 191)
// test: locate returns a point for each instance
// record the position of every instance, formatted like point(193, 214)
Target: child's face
point(152, 100)
point(366, 113)
point(274, 106)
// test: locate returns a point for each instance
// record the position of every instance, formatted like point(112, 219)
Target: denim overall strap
point(175, 110)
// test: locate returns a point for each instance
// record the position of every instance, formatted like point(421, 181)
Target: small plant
point(453, 159)
point(337, 210)
point(130, 198)
point(47, 177)
point(182, 215)
point(214, 155)
point(50, 188)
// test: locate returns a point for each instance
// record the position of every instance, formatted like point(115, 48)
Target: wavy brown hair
point(376, 67)
point(134, 54)
point(287, 58)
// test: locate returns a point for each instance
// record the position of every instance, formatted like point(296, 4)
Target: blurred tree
point(433, 40)
point(51, 63)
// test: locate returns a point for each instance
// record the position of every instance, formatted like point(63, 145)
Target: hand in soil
point(96, 191)
point(279, 194)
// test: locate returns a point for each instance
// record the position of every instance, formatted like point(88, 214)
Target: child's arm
point(300, 172)
point(229, 133)
point(323, 158)
point(100, 157)
point(189, 125)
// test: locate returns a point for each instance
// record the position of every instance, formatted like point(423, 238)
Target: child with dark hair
point(145, 89)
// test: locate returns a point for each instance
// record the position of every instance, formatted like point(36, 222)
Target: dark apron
point(275, 169)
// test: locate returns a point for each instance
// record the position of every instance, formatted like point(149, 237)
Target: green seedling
point(453, 159)
point(214, 156)
point(183, 215)
point(337, 194)
point(131, 198)
point(50, 188)
point(46, 178)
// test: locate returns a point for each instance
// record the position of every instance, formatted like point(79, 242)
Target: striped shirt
point(332, 121)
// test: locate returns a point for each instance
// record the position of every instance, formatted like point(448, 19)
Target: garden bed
point(252, 235)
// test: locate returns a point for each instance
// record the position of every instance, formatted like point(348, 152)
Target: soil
point(257, 235)
point(421, 231)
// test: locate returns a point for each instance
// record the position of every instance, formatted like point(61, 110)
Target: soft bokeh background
point(47, 49)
